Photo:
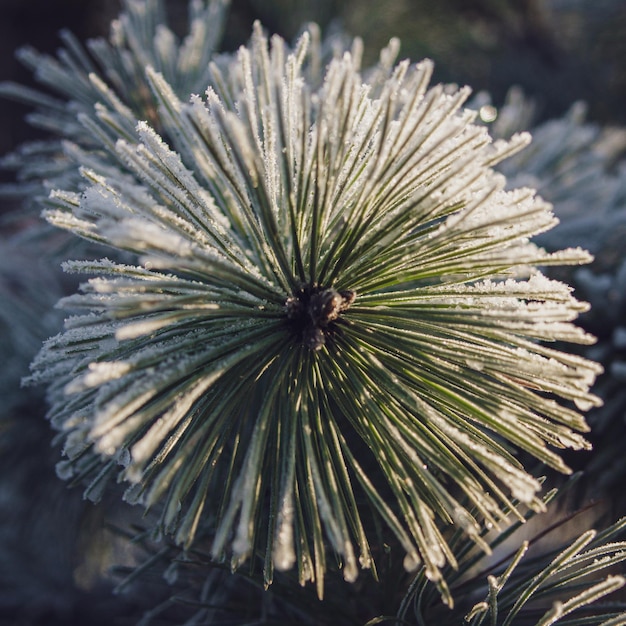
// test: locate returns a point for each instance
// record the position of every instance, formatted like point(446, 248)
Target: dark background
point(559, 51)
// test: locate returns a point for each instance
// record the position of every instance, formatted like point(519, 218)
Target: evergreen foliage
point(576, 166)
point(320, 334)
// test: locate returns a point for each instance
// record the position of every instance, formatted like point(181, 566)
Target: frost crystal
point(338, 315)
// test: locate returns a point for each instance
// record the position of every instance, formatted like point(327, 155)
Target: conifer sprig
point(338, 317)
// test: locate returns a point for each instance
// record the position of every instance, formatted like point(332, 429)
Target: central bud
point(313, 310)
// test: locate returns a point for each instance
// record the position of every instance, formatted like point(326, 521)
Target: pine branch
point(337, 304)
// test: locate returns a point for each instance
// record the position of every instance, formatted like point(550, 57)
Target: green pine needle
point(337, 316)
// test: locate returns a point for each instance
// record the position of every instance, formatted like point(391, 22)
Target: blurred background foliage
point(557, 51)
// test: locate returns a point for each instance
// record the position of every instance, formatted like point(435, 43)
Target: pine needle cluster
point(321, 325)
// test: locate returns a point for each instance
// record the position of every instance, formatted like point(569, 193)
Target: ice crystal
point(338, 315)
